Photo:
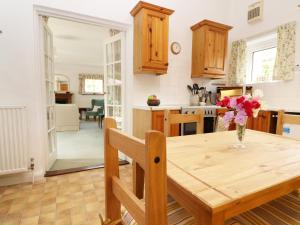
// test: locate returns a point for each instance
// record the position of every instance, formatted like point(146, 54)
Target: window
point(261, 56)
point(93, 86)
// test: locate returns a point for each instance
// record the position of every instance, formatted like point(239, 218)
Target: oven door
point(190, 128)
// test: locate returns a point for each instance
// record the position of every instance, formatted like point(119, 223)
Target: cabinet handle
point(205, 68)
point(156, 53)
point(166, 64)
point(150, 29)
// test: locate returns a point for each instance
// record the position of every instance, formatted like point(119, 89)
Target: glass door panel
point(117, 70)
point(113, 78)
point(49, 91)
point(117, 50)
point(117, 95)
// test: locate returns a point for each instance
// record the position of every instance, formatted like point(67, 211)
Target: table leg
point(218, 219)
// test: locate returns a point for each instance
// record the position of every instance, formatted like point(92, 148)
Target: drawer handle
point(205, 68)
point(166, 64)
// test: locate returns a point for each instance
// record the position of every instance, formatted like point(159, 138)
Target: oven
point(209, 119)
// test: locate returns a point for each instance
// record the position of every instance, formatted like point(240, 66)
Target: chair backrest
point(150, 155)
point(286, 118)
point(170, 118)
point(98, 102)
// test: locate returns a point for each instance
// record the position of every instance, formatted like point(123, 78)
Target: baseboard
point(20, 178)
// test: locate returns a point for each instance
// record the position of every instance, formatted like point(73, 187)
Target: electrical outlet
point(0, 31)
point(297, 68)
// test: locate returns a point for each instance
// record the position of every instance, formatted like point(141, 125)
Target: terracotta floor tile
point(71, 199)
point(30, 221)
point(31, 212)
point(63, 221)
point(17, 207)
point(79, 219)
point(48, 208)
point(47, 218)
point(11, 220)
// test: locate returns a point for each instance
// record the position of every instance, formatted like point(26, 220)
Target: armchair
point(97, 110)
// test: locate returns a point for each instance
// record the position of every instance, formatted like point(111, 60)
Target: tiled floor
point(71, 199)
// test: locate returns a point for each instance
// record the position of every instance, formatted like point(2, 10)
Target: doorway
point(84, 81)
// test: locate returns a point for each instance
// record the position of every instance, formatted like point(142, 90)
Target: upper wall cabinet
point(209, 49)
point(151, 28)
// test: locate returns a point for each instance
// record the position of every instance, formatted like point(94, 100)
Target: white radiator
point(14, 156)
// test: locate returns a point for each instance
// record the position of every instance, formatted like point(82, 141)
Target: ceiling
point(78, 43)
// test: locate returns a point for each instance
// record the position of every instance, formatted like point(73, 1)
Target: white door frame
point(38, 42)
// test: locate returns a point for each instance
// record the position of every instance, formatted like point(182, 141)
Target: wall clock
point(175, 48)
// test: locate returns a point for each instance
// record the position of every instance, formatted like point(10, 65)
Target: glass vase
point(240, 132)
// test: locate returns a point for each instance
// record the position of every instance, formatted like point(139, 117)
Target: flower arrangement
point(240, 108)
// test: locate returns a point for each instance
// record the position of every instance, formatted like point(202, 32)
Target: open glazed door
point(114, 70)
point(48, 65)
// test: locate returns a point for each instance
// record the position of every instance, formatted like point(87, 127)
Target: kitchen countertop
point(160, 107)
point(178, 107)
point(294, 110)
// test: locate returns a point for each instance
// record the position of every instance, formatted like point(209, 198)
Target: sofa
point(66, 117)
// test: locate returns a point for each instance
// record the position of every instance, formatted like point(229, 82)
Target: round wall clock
point(175, 48)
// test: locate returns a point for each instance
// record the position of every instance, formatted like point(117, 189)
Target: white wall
point(276, 12)
point(21, 85)
point(72, 71)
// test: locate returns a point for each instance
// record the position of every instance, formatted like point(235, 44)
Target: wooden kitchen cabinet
point(158, 122)
point(151, 34)
point(210, 40)
point(147, 119)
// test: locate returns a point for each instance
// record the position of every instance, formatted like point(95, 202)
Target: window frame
point(261, 43)
point(93, 93)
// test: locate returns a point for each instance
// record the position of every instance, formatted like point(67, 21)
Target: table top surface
point(212, 170)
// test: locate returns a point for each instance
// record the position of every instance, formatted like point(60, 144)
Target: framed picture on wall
point(64, 87)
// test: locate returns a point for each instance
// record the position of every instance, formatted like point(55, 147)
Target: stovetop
point(209, 110)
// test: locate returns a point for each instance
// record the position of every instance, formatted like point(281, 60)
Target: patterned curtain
point(286, 46)
point(237, 63)
point(83, 77)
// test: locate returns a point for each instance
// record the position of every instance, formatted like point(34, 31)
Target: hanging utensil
point(191, 89)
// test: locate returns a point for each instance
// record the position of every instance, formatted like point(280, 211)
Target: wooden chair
point(151, 157)
point(286, 118)
point(170, 118)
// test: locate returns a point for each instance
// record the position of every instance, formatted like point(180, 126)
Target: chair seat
point(282, 211)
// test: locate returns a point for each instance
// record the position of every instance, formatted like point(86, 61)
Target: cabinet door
point(158, 123)
point(157, 40)
point(215, 43)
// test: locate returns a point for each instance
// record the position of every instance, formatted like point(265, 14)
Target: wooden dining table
point(215, 181)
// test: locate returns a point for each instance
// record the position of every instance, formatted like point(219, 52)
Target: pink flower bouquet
point(240, 108)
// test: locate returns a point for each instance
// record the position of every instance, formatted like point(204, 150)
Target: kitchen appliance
point(210, 116)
point(232, 91)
